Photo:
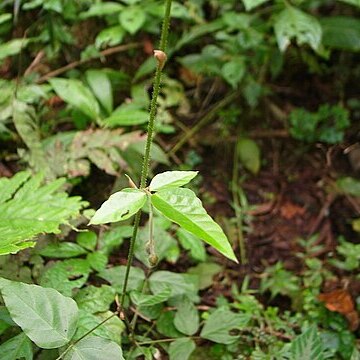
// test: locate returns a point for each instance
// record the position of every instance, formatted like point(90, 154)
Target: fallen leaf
point(289, 210)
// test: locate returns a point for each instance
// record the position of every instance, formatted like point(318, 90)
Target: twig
point(106, 52)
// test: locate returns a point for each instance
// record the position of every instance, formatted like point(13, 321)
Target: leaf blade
point(171, 179)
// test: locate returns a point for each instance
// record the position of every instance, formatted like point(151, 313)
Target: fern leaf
point(307, 346)
point(28, 208)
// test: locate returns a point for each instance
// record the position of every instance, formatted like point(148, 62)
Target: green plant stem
point(149, 139)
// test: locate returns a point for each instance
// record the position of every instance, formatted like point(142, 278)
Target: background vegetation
point(262, 98)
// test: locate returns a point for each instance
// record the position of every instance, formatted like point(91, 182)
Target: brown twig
point(75, 64)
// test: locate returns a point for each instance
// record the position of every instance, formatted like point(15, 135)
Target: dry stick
point(161, 58)
point(206, 119)
point(75, 64)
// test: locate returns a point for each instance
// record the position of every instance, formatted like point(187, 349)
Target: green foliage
point(307, 346)
point(326, 125)
point(28, 209)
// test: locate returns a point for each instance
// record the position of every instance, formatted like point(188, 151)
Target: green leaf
point(341, 32)
point(251, 4)
point(249, 155)
point(178, 283)
point(127, 115)
point(140, 299)
point(294, 23)
point(233, 71)
point(12, 47)
point(48, 318)
point(66, 275)
point(62, 250)
point(191, 242)
point(349, 185)
point(205, 273)
point(28, 209)
point(110, 36)
point(116, 275)
point(101, 86)
point(308, 345)
point(221, 322)
point(132, 18)
point(120, 206)
point(352, 2)
point(18, 347)
point(102, 9)
point(165, 325)
point(97, 260)
point(94, 348)
point(95, 299)
point(187, 318)
point(171, 179)
point(184, 208)
point(76, 94)
point(87, 240)
point(181, 349)
point(355, 354)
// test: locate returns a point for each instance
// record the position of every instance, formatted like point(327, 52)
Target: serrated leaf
point(94, 348)
point(221, 322)
point(101, 86)
point(27, 209)
point(18, 347)
point(249, 155)
point(179, 284)
point(171, 179)
point(181, 349)
point(308, 345)
point(141, 299)
point(184, 208)
point(120, 206)
point(116, 275)
point(48, 318)
point(294, 23)
point(132, 18)
point(62, 250)
point(95, 299)
point(75, 93)
point(187, 318)
point(251, 4)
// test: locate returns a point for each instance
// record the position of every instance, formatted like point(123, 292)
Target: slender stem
point(150, 135)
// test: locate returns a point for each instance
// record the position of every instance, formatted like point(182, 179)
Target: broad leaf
point(87, 240)
point(187, 318)
point(341, 32)
point(64, 276)
point(233, 71)
point(94, 348)
point(127, 115)
point(184, 208)
point(181, 349)
point(48, 318)
point(120, 206)
point(95, 299)
point(132, 18)
point(62, 250)
point(205, 273)
point(249, 154)
point(192, 243)
point(76, 94)
point(221, 322)
point(294, 23)
point(101, 86)
point(18, 347)
point(110, 36)
point(171, 179)
point(116, 276)
point(308, 345)
point(141, 299)
point(101, 9)
point(12, 47)
point(251, 4)
point(28, 209)
point(179, 284)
